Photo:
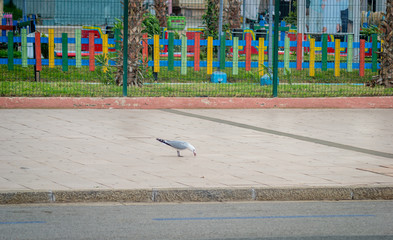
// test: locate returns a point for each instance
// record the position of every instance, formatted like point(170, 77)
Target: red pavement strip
point(193, 103)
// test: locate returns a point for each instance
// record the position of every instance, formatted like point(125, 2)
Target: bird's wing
point(175, 144)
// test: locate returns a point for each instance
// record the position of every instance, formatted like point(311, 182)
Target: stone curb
point(200, 195)
point(193, 103)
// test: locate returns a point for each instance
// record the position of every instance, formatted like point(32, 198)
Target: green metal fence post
point(222, 51)
point(117, 39)
point(275, 47)
point(64, 40)
point(125, 48)
point(171, 58)
point(374, 53)
point(324, 51)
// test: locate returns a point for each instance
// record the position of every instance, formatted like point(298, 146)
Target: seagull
point(178, 145)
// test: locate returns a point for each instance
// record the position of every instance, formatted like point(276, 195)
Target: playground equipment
point(218, 77)
point(85, 48)
point(97, 31)
point(176, 22)
point(371, 18)
point(8, 24)
point(190, 35)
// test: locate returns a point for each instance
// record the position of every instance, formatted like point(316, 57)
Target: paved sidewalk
point(98, 151)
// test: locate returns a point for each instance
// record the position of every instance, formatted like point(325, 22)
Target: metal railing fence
point(73, 48)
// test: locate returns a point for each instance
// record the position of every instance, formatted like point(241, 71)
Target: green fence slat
point(78, 55)
point(350, 53)
point(235, 68)
point(183, 69)
point(374, 53)
point(324, 52)
point(24, 47)
point(171, 60)
point(117, 39)
point(287, 69)
point(10, 51)
point(222, 51)
point(64, 41)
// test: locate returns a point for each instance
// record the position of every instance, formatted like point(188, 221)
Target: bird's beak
point(194, 154)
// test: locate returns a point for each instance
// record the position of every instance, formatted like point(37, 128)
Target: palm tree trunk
point(160, 8)
point(135, 19)
point(385, 77)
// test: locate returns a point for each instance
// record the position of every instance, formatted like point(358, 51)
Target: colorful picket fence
point(262, 45)
point(51, 40)
point(311, 46)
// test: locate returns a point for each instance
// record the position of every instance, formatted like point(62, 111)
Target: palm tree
point(386, 71)
point(233, 13)
point(160, 8)
point(135, 19)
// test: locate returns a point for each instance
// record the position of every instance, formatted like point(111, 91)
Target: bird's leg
point(178, 153)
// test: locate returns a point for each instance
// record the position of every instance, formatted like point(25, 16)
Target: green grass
point(80, 82)
point(73, 89)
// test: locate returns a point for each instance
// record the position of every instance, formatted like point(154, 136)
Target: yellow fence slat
point(51, 43)
point(105, 51)
point(261, 56)
point(156, 53)
point(312, 57)
point(337, 58)
point(210, 55)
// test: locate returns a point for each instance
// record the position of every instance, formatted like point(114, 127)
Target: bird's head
point(191, 148)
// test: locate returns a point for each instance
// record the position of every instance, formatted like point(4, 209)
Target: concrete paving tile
point(6, 184)
point(116, 149)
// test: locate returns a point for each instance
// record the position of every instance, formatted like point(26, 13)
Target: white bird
point(178, 145)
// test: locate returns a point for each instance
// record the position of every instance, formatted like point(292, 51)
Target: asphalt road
point(251, 220)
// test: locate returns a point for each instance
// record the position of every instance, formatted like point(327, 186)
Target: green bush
point(45, 48)
point(4, 54)
point(151, 25)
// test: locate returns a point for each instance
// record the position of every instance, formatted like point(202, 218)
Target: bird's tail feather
point(163, 141)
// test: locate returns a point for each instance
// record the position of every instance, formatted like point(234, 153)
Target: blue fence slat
point(216, 43)
point(164, 63)
point(368, 45)
point(111, 41)
point(331, 44)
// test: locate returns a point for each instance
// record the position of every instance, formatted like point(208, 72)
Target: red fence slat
point(91, 52)
point(362, 57)
point(145, 50)
point(38, 51)
point(197, 51)
point(299, 52)
point(248, 51)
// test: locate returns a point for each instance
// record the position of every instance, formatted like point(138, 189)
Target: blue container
point(219, 77)
point(267, 80)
